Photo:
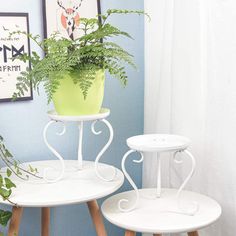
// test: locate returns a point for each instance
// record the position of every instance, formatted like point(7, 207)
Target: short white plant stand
point(160, 210)
point(80, 120)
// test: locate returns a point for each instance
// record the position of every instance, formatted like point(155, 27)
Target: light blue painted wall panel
point(22, 123)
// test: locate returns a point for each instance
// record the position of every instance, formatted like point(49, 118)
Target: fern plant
point(84, 56)
point(13, 166)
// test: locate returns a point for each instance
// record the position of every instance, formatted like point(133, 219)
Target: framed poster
point(10, 48)
point(63, 16)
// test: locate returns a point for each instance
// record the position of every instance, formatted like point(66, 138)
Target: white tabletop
point(104, 113)
point(157, 215)
point(77, 186)
point(158, 142)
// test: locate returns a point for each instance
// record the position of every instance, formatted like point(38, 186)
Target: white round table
point(161, 215)
point(76, 186)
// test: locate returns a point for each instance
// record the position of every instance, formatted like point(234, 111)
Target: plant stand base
point(80, 192)
point(159, 216)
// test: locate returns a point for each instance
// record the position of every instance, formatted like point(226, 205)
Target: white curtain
point(190, 90)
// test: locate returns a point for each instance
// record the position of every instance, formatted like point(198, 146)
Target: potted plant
point(73, 71)
point(6, 184)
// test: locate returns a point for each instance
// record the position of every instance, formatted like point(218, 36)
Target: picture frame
point(63, 15)
point(11, 47)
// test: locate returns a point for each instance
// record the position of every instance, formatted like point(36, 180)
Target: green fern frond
point(84, 56)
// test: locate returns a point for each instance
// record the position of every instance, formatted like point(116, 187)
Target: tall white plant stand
point(80, 120)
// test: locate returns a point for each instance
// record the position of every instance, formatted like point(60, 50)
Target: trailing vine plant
point(84, 56)
point(12, 166)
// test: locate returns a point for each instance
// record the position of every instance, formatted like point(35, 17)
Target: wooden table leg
point(129, 233)
point(45, 221)
point(194, 233)
point(15, 221)
point(97, 218)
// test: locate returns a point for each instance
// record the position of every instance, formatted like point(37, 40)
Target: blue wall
point(21, 123)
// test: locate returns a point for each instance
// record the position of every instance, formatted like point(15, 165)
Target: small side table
point(156, 216)
point(75, 187)
point(160, 210)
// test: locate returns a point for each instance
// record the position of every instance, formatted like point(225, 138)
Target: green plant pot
point(69, 100)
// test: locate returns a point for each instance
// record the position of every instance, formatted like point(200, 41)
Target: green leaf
point(18, 172)
point(85, 56)
point(5, 216)
point(9, 172)
point(9, 183)
point(8, 154)
point(33, 170)
point(5, 193)
point(1, 181)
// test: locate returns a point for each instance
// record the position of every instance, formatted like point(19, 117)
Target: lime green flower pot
point(69, 100)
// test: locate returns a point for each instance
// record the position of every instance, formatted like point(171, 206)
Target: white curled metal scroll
point(194, 206)
point(120, 203)
point(61, 174)
point(80, 149)
point(158, 193)
point(103, 150)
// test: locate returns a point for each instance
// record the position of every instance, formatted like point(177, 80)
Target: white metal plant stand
point(54, 118)
point(159, 143)
point(160, 210)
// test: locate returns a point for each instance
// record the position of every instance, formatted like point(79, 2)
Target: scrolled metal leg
point(60, 176)
point(131, 183)
point(191, 172)
point(80, 150)
point(194, 205)
point(158, 176)
point(103, 149)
